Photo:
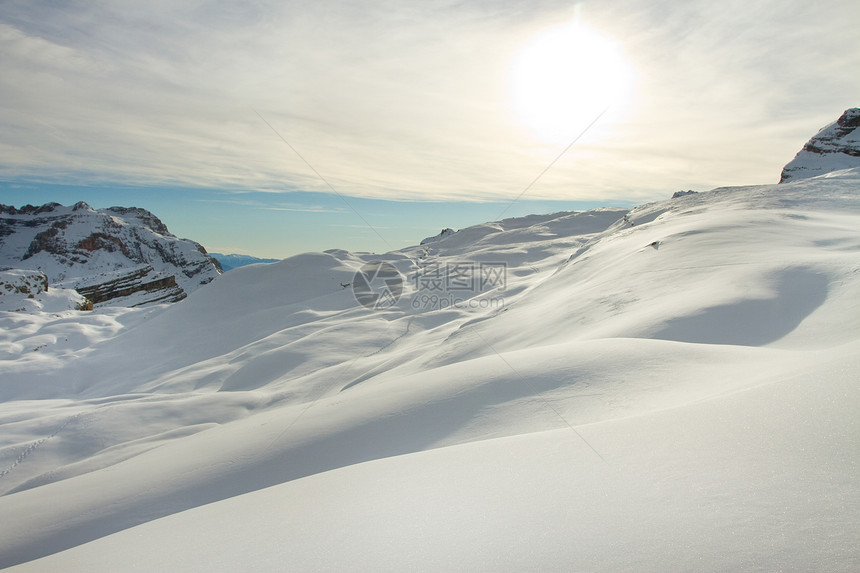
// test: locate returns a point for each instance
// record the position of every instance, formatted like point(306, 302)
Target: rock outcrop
point(834, 147)
point(28, 283)
point(25, 291)
point(136, 282)
point(115, 256)
point(445, 233)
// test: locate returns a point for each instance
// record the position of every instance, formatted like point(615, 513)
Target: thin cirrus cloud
point(274, 206)
point(409, 100)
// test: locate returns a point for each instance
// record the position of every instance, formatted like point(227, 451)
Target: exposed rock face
point(678, 194)
point(134, 283)
point(445, 233)
point(117, 256)
point(836, 146)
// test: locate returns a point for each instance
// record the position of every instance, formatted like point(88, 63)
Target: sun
point(564, 78)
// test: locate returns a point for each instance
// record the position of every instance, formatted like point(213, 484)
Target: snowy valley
point(671, 387)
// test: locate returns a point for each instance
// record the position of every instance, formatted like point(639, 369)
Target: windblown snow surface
point(671, 391)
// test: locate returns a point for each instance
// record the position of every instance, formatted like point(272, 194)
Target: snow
point(445, 233)
point(30, 291)
point(234, 261)
point(835, 147)
point(672, 387)
point(120, 241)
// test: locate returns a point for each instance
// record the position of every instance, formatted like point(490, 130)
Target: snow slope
point(669, 388)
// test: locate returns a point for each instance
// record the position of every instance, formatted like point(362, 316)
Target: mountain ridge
point(96, 251)
point(836, 146)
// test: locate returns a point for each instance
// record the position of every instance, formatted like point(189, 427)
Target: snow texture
point(29, 291)
point(668, 388)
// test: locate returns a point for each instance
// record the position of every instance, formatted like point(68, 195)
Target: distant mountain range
point(230, 262)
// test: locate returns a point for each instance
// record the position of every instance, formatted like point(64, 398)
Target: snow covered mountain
point(117, 256)
point(672, 387)
point(835, 147)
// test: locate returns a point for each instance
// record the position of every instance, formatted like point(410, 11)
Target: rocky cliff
point(834, 147)
point(115, 256)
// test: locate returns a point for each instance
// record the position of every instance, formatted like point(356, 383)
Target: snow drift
point(672, 387)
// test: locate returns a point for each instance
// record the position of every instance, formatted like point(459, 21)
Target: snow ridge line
point(32, 447)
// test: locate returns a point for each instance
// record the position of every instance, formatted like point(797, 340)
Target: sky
point(273, 128)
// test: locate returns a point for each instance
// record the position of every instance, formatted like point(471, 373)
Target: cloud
point(275, 205)
point(408, 100)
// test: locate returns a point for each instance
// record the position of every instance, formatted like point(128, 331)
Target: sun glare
point(564, 78)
